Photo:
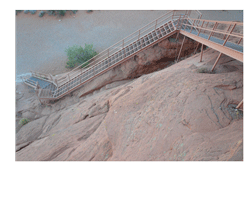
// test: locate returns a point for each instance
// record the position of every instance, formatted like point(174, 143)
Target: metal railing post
point(179, 22)
point(227, 31)
point(200, 28)
point(229, 35)
point(192, 26)
point(201, 53)
point(239, 105)
point(216, 24)
point(181, 48)
point(239, 41)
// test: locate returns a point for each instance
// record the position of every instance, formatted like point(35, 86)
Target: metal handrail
point(42, 76)
point(155, 25)
point(119, 42)
point(123, 44)
point(213, 30)
point(84, 73)
point(88, 71)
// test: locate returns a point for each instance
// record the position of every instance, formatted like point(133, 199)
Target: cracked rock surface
point(174, 114)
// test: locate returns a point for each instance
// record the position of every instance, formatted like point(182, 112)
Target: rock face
point(173, 114)
point(157, 57)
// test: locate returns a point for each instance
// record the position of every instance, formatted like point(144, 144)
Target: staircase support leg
point(201, 53)
point(196, 48)
point(177, 35)
point(181, 48)
point(216, 61)
point(239, 104)
point(38, 96)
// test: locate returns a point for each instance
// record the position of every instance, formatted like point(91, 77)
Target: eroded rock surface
point(172, 114)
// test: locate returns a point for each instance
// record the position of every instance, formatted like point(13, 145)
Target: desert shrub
point(89, 11)
point(24, 121)
point(26, 11)
point(203, 70)
point(61, 12)
point(74, 11)
point(172, 40)
point(77, 55)
point(41, 14)
point(51, 12)
point(32, 11)
point(17, 11)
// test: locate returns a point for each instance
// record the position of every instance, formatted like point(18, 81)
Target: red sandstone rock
point(173, 114)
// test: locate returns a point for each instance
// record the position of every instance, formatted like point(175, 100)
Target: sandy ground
point(41, 42)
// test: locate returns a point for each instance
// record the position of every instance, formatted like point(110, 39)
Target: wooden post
point(181, 48)
point(239, 105)
point(216, 61)
point(201, 53)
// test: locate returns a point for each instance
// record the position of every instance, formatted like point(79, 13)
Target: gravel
point(41, 41)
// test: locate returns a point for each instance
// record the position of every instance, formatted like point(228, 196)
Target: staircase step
point(119, 55)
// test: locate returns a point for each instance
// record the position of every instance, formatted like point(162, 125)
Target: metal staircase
point(49, 88)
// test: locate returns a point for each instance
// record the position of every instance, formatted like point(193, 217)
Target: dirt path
point(41, 42)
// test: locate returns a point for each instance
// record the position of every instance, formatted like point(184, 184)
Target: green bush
point(23, 121)
point(77, 55)
point(41, 14)
point(203, 70)
point(17, 11)
point(32, 11)
point(61, 12)
point(74, 11)
point(51, 12)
